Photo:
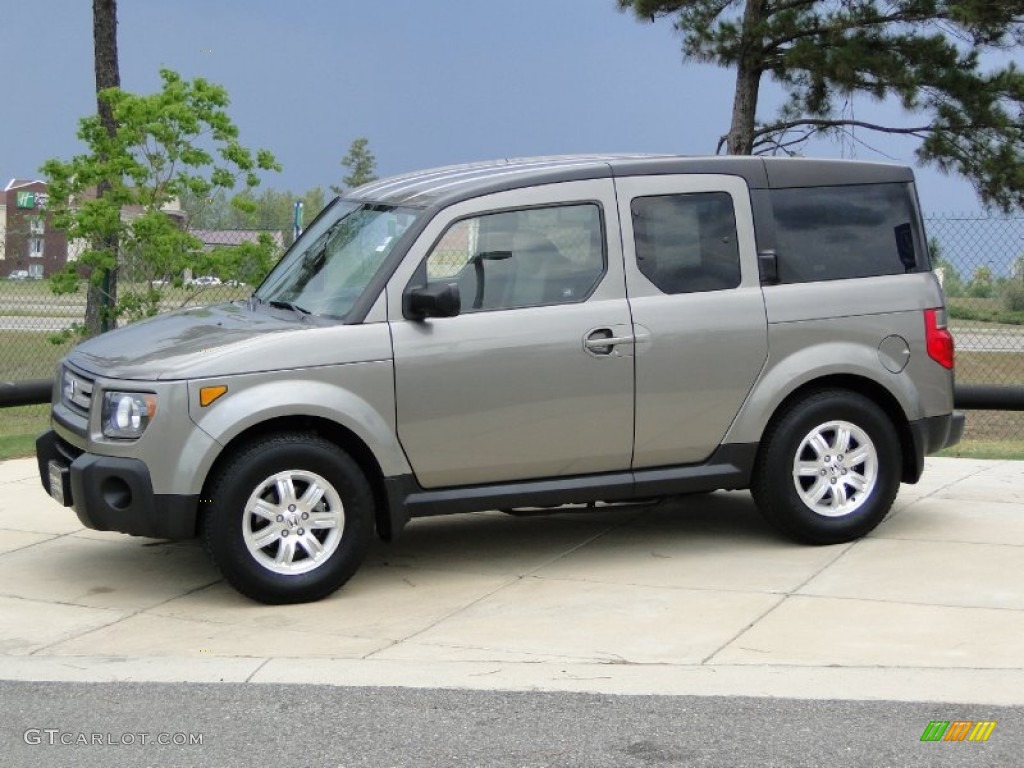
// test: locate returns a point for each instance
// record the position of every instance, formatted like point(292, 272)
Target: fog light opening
point(116, 493)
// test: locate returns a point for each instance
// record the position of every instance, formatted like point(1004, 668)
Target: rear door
point(698, 312)
point(534, 379)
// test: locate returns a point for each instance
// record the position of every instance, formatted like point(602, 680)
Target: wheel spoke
point(311, 497)
point(323, 520)
point(819, 445)
point(265, 537)
point(842, 442)
point(286, 551)
point(312, 545)
point(285, 490)
point(856, 481)
point(819, 490)
point(839, 497)
point(858, 458)
point(808, 468)
point(266, 510)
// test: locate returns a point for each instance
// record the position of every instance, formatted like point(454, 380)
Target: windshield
point(331, 263)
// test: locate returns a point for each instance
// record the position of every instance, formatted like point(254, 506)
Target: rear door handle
point(602, 341)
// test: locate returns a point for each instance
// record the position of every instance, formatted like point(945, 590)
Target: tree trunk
point(101, 298)
point(748, 81)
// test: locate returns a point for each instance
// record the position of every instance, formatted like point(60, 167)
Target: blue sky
point(428, 82)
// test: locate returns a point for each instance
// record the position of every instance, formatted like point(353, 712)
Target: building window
point(35, 247)
point(35, 225)
point(35, 271)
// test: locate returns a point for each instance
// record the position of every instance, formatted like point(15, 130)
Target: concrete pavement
point(693, 596)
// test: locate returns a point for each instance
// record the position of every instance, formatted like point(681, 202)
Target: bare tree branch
point(826, 123)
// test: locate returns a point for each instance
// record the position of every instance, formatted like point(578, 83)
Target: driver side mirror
point(432, 301)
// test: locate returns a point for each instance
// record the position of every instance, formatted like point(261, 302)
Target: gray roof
point(443, 186)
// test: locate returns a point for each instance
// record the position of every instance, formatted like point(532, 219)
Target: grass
point(988, 311)
point(28, 355)
point(985, 449)
point(21, 427)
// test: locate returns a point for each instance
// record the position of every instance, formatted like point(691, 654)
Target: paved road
point(312, 726)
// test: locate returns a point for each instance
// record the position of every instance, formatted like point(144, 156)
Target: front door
point(534, 379)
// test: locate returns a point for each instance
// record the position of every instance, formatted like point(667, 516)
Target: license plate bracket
point(59, 483)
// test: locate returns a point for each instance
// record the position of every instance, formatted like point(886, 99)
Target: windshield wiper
point(288, 305)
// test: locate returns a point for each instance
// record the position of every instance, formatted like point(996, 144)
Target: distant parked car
point(18, 274)
point(204, 280)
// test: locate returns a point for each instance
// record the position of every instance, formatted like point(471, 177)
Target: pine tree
point(927, 54)
point(361, 164)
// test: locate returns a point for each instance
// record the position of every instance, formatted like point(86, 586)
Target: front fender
point(356, 396)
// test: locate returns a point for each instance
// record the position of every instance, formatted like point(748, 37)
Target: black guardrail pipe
point(34, 392)
point(986, 397)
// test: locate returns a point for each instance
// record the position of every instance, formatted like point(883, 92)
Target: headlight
point(127, 414)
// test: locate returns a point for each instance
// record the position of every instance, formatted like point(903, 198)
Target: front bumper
point(112, 494)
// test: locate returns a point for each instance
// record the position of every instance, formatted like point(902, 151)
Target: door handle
point(603, 341)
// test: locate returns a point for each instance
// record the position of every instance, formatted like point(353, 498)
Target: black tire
point(843, 512)
point(291, 468)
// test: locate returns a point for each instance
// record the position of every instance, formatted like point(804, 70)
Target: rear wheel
point(829, 469)
point(289, 519)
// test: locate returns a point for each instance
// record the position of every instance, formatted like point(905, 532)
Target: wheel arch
point(873, 391)
point(337, 434)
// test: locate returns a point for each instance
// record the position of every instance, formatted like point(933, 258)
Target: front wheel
point(829, 469)
point(289, 519)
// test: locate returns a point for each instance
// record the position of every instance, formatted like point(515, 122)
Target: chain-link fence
point(34, 320)
point(980, 261)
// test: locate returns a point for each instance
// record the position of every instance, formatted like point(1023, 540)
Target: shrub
point(1013, 296)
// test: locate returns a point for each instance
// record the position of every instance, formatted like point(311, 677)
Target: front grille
point(76, 391)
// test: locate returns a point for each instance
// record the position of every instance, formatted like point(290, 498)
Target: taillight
point(938, 338)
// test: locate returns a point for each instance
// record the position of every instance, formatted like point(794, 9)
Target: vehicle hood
point(226, 339)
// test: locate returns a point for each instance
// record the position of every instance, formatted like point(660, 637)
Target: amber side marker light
point(208, 394)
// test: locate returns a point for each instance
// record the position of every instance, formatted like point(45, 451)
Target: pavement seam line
point(909, 602)
point(517, 578)
point(785, 596)
point(256, 671)
point(125, 617)
point(706, 661)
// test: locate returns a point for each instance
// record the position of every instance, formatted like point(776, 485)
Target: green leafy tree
point(926, 54)
point(157, 154)
point(1013, 289)
point(980, 286)
point(362, 166)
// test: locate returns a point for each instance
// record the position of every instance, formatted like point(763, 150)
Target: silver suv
point(527, 333)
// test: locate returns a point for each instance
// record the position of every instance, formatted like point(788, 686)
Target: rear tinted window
point(833, 233)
